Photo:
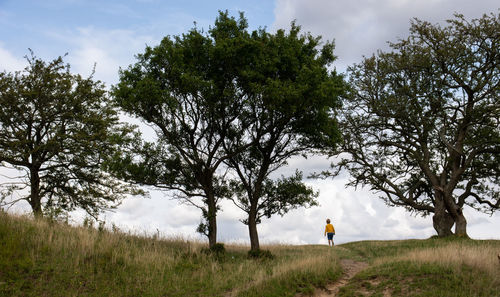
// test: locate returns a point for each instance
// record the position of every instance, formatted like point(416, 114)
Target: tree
point(58, 129)
point(188, 89)
point(421, 125)
point(289, 114)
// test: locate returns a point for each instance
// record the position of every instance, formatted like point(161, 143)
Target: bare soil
point(351, 268)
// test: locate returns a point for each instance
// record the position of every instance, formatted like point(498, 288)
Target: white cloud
point(360, 27)
point(9, 62)
point(110, 49)
point(107, 49)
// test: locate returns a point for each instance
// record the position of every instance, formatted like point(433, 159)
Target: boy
point(330, 231)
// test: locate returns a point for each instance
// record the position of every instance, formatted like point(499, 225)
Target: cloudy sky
point(109, 34)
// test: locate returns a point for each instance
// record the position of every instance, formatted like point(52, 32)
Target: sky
point(108, 34)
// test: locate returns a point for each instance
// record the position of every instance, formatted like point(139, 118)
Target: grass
point(43, 258)
point(433, 267)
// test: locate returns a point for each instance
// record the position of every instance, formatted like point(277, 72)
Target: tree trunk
point(442, 219)
point(252, 229)
point(35, 199)
point(212, 221)
point(457, 215)
point(443, 222)
point(461, 225)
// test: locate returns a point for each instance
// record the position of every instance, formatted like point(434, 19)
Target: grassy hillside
point(39, 258)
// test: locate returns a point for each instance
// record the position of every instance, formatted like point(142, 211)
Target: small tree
point(58, 130)
point(422, 123)
point(293, 97)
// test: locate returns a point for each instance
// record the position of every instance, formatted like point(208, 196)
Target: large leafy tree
point(189, 90)
point(422, 126)
point(289, 114)
point(58, 130)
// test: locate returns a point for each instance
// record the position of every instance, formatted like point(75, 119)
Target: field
point(43, 258)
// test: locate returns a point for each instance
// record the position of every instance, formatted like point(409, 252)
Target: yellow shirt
point(329, 228)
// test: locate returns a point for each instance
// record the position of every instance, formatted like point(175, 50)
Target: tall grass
point(478, 257)
point(42, 258)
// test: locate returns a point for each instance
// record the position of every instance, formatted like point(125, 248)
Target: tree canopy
point(421, 123)
point(57, 130)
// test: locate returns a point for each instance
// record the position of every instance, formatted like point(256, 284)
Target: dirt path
point(351, 268)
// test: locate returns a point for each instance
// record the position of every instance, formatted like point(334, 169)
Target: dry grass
point(303, 260)
point(483, 257)
point(62, 260)
point(479, 257)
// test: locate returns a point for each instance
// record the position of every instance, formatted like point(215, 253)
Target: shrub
point(260, 254)
point(218, 250)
